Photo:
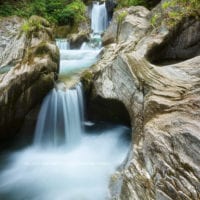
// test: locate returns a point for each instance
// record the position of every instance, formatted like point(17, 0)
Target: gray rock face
point(128, 23)
point(164, 107)
point(182, 43)
point(26, 83)
point(11, 46)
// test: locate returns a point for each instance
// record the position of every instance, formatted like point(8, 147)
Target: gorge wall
point(29, 64)
point(163, 104)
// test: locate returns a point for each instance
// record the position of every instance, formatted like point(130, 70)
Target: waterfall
point(69, 158)
point(60, 119)
point(63, 44)
point(99, 18)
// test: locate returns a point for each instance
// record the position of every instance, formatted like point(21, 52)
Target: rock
point(26, 83)
point(77, 39)
point(126, 24)
point(164, 108)
point(182, 43)
point(11, 46)
point(110, 6)
point(61, 31)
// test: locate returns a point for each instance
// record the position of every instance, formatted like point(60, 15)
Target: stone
point(126, 24)
point(163, 103)
point(77, 39)
point(183, 43)
point(28, 81)
point(11, 46)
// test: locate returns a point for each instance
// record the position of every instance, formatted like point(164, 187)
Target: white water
point(99, 18)
point(66, 162)
point(75, 60)
point(63, 44)
point(60, 118)
point(59, 174)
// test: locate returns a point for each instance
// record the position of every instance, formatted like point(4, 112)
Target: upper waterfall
point(99, 18)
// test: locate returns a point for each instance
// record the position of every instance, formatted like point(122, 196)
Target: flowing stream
point(70, 159)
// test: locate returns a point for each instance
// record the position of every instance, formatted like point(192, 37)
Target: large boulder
point(34, 59)
point(164, 107)
point(127, 23)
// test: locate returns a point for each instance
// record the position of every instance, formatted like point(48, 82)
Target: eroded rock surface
point(27, 82)
point(128, 23)
point(164, 106)
point(11, 45)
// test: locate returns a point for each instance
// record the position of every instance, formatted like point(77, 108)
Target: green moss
point(86, 79)
point(154, 20)
point(173, 11)
point(42, 49)
point(34, 24)
point(122, 16)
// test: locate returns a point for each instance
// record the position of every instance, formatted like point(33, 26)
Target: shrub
point(173, 11)
point(60, 11)
point(127, 3)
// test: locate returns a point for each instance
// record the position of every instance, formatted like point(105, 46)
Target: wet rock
point(110, 6)
point(76, 40)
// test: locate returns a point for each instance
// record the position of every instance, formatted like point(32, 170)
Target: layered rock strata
point(163, 103)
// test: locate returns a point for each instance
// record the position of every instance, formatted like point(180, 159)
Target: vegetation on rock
point(34, 24)
point(173, 11)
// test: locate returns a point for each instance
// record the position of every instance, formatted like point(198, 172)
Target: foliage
point(154, 20)
point(166, 4)
point(121, 17)
point(127, 3)
point(61, 12)
point(33, 24)
point(172, 11)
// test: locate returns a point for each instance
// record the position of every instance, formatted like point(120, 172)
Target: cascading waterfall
point(49, 169)
point(63, 44)
point(77, 60)
point(99, 18)
point(60, 118)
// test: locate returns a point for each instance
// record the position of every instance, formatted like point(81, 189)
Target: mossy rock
point(87, 79)
point(34, 24)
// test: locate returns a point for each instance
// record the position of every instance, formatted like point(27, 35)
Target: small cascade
point(99, 18)
point(63, 44)
point(95, 43)
point(60, 120)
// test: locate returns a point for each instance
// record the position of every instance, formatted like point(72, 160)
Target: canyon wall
point(163, 101)
point(29, 65)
